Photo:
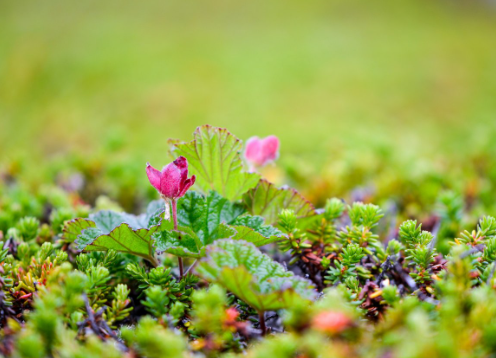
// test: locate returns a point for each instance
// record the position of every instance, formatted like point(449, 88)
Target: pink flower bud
point(331, 322)
point(172, 182)
point(260, 152)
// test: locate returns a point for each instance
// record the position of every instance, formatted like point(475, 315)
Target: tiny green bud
point(333, 209)
point(287, 220)
point(390, 294)
point(28, 228)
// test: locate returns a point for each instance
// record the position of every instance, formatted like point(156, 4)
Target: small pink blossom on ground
point(331, 322)
point(231, 314)
point(261, 151)
point(172, 182)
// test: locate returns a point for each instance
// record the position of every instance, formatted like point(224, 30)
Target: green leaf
point(72, 229)
point(246, 234)
point(183, 243)
point(123, 239)
point(267, 200)
point(252, 229)
point(214, 157)
point(252, 276)
point(204, 214)
point(256, 223)
point(108, 230)
point(204, 219)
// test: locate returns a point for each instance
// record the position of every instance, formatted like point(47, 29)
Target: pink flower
point(172, 182)
point(331, 322)
point(260, 152)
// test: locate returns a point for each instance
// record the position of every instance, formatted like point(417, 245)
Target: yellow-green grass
point(330, 77)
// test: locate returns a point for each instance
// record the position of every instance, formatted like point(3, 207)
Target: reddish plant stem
point(263, 328)
point(174, 217)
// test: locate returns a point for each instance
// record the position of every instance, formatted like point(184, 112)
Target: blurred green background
point(359, 92)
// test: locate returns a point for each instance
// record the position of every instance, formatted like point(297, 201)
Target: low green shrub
point(236, 266)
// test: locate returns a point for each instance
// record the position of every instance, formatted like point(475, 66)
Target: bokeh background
point(372, 100)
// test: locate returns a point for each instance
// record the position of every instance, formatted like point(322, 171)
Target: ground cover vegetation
point(372, 234)
point(219, 261)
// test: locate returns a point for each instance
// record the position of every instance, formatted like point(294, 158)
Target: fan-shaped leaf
point(267, 200)
point(204, 214)
point(182, 242)
point(204, 219)
point(122, 232)
point(214, 157)
point(73, 228)
point(252, 276)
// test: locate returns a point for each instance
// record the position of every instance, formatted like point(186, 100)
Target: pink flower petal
point(182, 164)
point(270, 148)
point(153, 176)
point(170, 181)
point(260, 152)
point(253, 149)
point(188, 183)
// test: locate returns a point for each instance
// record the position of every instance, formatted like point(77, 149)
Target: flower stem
point(191, 267)
point(174, 217)
point(153, 261)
